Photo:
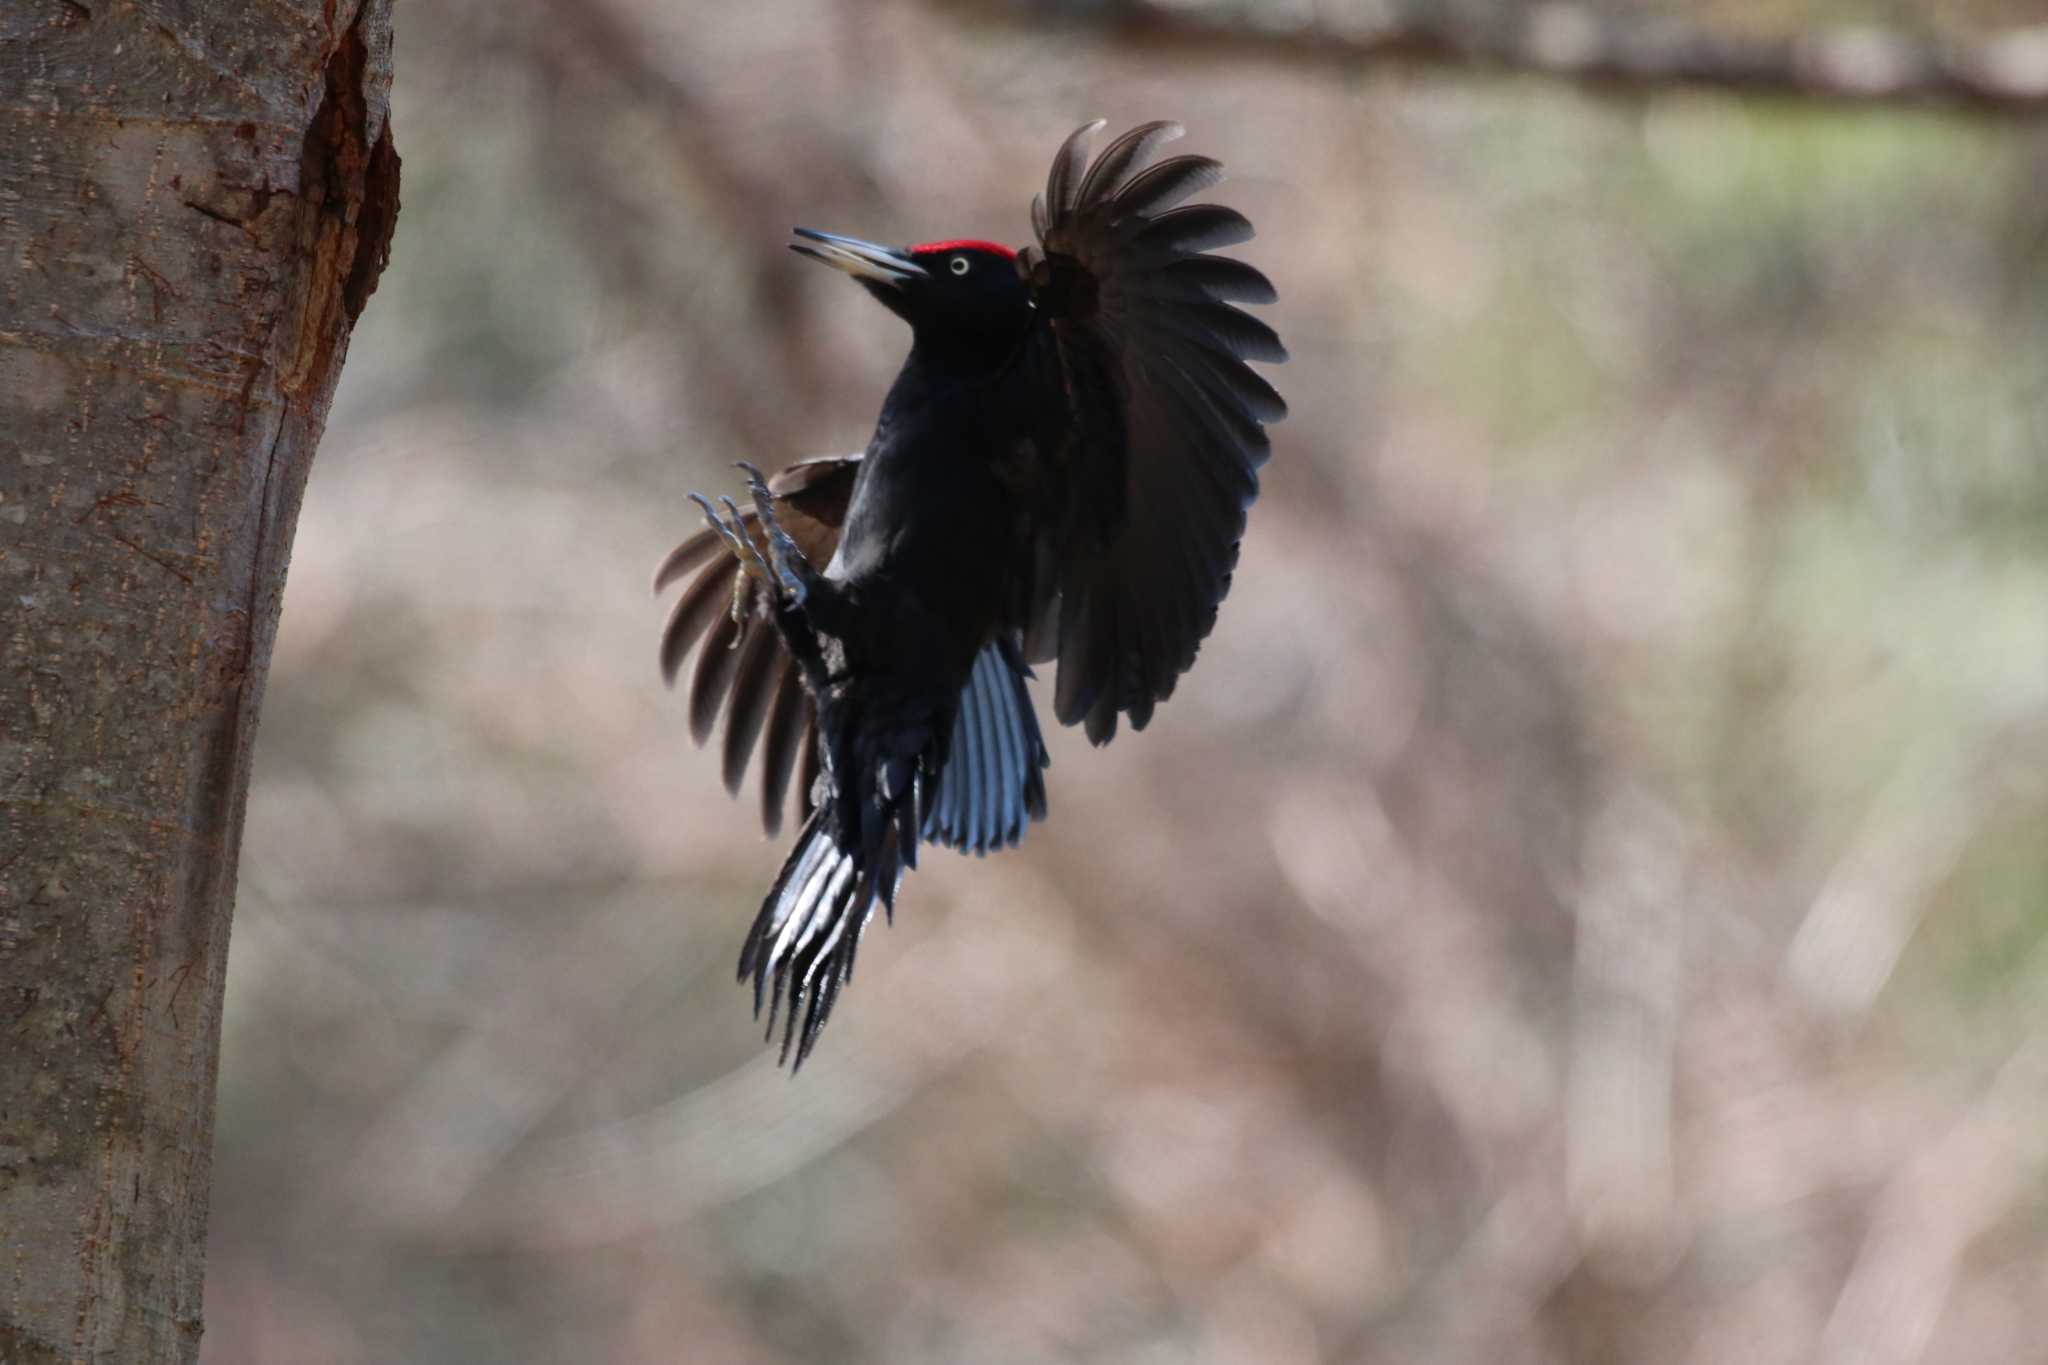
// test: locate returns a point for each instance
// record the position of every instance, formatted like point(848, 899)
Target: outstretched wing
point(742, 667)
point(1160, 423)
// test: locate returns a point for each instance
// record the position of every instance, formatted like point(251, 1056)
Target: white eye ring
point(960, 265)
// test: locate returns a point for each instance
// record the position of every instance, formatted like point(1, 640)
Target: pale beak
point(866, 261)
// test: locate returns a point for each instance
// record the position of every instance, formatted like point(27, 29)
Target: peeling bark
point(196, 197)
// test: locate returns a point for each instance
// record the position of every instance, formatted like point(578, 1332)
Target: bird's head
point(963, 299)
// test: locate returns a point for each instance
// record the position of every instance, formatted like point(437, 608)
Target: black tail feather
point(800, 951)
point(993, 785)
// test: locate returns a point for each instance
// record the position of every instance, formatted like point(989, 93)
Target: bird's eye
point(959, 265)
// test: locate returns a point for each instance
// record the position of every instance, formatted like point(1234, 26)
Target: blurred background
point(1588, 903)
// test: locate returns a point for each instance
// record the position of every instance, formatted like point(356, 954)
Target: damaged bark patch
point(375, 223)
point(349, 188)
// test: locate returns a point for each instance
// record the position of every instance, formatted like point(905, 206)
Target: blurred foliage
point(1587, 903)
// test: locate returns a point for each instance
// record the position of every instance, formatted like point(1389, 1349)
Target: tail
point(861, 839)
point(800, 951)
point(993, 784)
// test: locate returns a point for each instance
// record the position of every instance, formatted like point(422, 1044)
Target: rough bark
point(196, 197)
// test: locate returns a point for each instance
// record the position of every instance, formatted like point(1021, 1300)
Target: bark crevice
point(349, 178)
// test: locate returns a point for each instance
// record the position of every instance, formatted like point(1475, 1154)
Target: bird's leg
point(800, 600)
point(792, 570)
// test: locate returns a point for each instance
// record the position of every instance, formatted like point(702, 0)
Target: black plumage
point(1061, 472)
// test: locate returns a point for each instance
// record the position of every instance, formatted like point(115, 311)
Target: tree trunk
point(196, 197)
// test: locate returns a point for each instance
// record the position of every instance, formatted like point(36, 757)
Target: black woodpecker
point(1060, 473)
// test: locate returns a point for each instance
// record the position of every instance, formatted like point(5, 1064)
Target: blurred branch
point(1956, 1190)
point(1855, 934)
point(1626, 979)
point(1619, 54)
point(739, 201)
point(975, 975)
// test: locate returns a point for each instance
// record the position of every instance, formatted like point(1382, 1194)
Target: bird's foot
point(732, 529)
point(792, 570)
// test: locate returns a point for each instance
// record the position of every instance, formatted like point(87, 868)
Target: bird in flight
point(1060, 474)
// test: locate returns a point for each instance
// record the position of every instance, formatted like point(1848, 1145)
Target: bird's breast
point(939, 515)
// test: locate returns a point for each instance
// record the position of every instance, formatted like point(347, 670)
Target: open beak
point(866, 261)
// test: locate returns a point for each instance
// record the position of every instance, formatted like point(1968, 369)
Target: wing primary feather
point(1229, 444)
point(1172, 618)
point(970, 771)
point(1138, 628)
point(1160, 188)
point(1023, 756)
point(959, 766)
point(1066, 165)
point(687, 556)
point(752, 692)
point(951, 788)
point(990, 766)
point(1189, 231)
point(1116, 161)
point(1220, 278)
point(1101, 726)
point(778, 758)
point(989, 686)
point(694, 610)
point(1107, 650)
point(1012, 780)
point(713, 676)
point(1230, 331)
point(1036, 759)
point(1076, 679)
point(1221, 377)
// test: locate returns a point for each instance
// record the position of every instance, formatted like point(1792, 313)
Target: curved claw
point(792, 571)
point(735, 539)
